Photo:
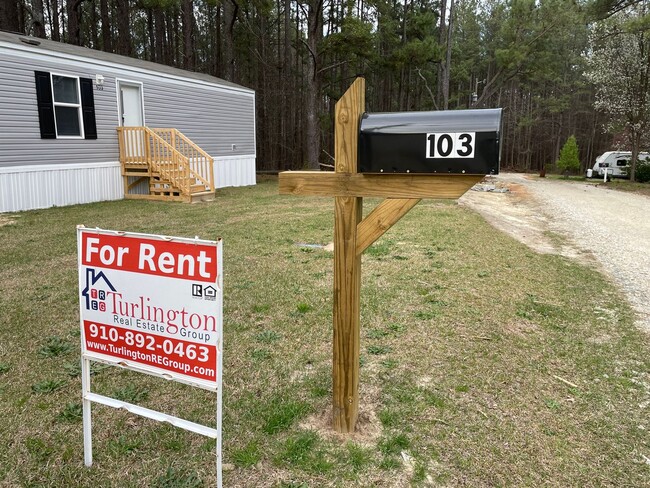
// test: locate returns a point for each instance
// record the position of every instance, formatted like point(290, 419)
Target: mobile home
point(80, 125)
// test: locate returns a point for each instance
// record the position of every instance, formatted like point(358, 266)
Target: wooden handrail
point(201, 163)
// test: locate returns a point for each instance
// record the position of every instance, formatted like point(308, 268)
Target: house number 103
point(452, 145)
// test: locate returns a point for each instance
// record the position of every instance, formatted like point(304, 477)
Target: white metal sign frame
point(162, 336)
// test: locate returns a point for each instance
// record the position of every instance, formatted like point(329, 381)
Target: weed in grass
point(552, 404)
point(419, 473)
point(131, 394)
point(261, 308)
point(55, 346)
point(208, 445)
point(283, 414)
point(378, 350)
point(376, 334)
point(425, 314)
point(303, 451)
point(123, 446)
point(73, 368)
point(400, 258)
point(178, 478)
point(389, 363)
point(433, 399)
point(48, 386)
point(389, 417)
point(247, 456)
point(38, 449)
point(483, 274)
point(4, 367)
point(396, 327)
point(436, 301)
point(303, 308)
point(260, 354)
point(267, 336)
point(362, 361)
point(72, 412)
point(461, 388)
point(174, 443)
point(76, 332)
point(358, 457)
point(319, 391)
point(532, 307)
point(291, 484)
point(394, 444)
point(380, 249)
point(389, 463)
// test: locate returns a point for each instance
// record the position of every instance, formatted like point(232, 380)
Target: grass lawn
point(470, 346)
point(613, 184)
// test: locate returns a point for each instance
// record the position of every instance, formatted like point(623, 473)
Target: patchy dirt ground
point(582, 221)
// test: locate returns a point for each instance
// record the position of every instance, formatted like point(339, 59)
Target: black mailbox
point(448, 141)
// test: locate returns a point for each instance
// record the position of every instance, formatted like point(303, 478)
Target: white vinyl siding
point(212, 117)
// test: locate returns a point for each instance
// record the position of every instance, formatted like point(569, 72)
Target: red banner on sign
point(196, 262)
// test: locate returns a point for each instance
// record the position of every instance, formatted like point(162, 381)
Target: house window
point(67, 106)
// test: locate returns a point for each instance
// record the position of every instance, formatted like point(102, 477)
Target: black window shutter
point(88, 108)
point(45, 107)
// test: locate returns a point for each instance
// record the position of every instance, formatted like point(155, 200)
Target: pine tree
point(569, 160)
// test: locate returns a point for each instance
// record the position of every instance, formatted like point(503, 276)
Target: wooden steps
point(165, 162)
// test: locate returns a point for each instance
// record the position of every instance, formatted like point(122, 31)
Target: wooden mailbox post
point(353, 234)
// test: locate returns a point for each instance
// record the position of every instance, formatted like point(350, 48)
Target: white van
point(617, 164)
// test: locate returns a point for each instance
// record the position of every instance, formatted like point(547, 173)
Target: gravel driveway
point(608, 226)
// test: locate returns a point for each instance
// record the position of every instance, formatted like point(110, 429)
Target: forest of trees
point(540, 60)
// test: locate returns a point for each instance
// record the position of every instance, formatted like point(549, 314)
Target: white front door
point(130, 105)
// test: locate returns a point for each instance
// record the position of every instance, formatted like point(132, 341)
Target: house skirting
point(43, 186)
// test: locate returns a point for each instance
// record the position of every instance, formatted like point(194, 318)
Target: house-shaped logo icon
point(97, 284)
point(209, 292)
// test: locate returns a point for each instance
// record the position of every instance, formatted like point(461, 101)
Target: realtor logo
point(197, 290)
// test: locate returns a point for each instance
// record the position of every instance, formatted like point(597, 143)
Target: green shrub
point(642, 173)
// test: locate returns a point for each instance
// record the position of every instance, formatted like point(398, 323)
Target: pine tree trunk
point(107, 39)
point(123, 28)
point(38, 18)
point(229, 18)
point(9, 18)
point(312, 136)
point(74, 29)
point(188, 34)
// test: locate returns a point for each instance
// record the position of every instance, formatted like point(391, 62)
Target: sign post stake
point(87, 420)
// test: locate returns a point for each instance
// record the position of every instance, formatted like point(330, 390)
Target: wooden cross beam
point(353, 235)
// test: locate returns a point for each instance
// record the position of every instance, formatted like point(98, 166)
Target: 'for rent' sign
point(152, 303)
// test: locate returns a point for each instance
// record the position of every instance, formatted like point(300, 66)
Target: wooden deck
point(163, 164)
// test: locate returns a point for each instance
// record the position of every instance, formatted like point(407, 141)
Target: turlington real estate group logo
point(96, 290)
